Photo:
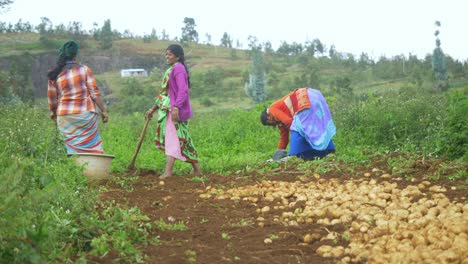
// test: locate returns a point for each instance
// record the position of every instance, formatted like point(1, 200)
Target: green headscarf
point(69, 50)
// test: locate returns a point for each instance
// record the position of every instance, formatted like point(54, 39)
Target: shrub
point(455, 134)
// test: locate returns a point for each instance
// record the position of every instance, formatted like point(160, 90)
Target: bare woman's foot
point(165, 175)
point(196, 169)
point(195, 173)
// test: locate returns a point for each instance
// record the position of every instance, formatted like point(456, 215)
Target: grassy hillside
point(218, 74)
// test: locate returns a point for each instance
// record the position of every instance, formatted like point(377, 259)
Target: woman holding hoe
point(174, 110)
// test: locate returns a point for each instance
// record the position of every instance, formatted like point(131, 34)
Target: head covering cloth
point(69, 50)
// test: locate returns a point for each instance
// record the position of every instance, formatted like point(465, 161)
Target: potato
point(265, 209)
point(323, 250)
point(310, 238)
point(337, 252)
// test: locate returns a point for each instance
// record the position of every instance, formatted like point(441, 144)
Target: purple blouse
point(179, 92)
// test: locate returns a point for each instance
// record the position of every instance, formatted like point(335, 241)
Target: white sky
point(377, 27)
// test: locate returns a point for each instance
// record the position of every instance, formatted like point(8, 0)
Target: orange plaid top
point(73, 91)
point(284, 110)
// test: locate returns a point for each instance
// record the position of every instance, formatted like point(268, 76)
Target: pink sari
point(172, 140)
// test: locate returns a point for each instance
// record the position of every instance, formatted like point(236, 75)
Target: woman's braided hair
point(179, 52)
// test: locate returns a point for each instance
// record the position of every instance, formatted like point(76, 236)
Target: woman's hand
point(175, 114)
point(149, 113)
point(53, 115)
point(105, 117)
point(279, 154)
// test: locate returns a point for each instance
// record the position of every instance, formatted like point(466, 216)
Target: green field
point(50, 213)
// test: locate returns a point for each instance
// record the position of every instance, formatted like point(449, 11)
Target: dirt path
point(248, 218)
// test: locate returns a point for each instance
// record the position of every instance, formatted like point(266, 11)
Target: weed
point(345, 236)
point(298, 211)
point(202, 179)
point(125, 181)
point(191, 255)
point(163, 226)
point(158, 203)
point(243, 223)
point(273, 237)
point(400, 165)
point(225, 236)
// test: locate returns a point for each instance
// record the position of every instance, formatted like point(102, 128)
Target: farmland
point(395, 189)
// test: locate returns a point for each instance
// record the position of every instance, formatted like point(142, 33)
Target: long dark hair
point(177, 50)
point(52, 74)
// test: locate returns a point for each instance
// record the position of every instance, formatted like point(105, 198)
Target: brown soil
point(227, 231)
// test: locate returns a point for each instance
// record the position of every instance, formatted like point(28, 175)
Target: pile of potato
point(418, 224)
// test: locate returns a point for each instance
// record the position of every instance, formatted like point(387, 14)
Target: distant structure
point(133, 73)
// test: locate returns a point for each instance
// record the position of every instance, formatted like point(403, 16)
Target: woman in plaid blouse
point(73, 95)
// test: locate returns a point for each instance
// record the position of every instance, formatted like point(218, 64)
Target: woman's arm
point(95, 93)
point(100, 104)
point(182, 90)
point(284, 137)
point(52, 99)
point(149, 113)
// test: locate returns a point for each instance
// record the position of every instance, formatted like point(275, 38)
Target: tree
point(208, 39)
point(154, 35)
point(342, 85)
point(253, 43)
point(4, 4)
point(296, 48)
point(238, 44)
point(332, 53)
point(255, 88)
point(106, 35)
point(189, 34)
point(268, 48)
point(310, 48)
point(45, 30)
point(293, 49)
point(438, 63)
point(364, 60)
point(319, 47)
point(226, 41)
point(164, 35)
point(75, 31)
point(283, 49)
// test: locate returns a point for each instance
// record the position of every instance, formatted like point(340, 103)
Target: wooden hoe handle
point(131, 166)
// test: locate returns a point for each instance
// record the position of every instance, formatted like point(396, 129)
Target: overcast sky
point(377, 27)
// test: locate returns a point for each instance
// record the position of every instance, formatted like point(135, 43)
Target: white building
point(133, 73)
